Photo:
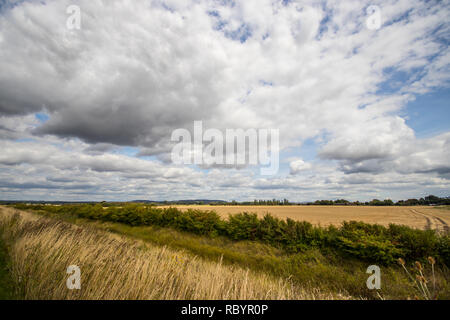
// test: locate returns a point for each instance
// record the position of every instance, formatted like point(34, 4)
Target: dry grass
point(114, 267)
point(421, 217)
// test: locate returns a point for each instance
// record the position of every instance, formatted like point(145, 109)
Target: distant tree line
point(429, 200)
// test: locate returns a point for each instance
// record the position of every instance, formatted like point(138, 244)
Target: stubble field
point(421, 217)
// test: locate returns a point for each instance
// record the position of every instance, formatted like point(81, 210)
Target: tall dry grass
point(113, 267)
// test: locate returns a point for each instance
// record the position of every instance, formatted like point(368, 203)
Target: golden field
point(421, 217)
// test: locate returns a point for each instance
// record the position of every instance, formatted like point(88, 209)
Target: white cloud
point(299, 166)
point(139, 69)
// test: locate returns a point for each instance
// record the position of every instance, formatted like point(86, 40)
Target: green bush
point(369, 247)
point(243, 226)
point(199, 222)
point(416, 244)
point(443, 249)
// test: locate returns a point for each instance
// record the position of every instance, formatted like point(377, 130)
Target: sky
point(358, 90)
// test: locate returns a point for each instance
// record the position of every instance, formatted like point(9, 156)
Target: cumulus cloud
point(392, 154)
point(299, 165)
point(132, 74)
point(373, 139)
point(137, 70)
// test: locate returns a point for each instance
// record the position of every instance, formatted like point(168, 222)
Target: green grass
point(312, 267)
point(6, 283)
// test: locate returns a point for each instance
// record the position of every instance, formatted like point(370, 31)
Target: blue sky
point(429, 114)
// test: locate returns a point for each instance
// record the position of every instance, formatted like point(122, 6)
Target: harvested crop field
point(421, 217)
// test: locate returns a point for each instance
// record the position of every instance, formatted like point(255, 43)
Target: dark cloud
point(131, 91)
point(44, 185)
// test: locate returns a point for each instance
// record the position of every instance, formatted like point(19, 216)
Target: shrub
point(199, 222)
point(270, 229)
point(443, 249)
point(415, 243)
point(369, 247)
point(243, 226)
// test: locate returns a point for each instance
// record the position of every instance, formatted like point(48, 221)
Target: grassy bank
point(312, 267)
point(116, 267)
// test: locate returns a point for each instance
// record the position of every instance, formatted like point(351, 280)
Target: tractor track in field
point(433, 222)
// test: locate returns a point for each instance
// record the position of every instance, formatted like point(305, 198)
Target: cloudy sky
point(87, 114)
